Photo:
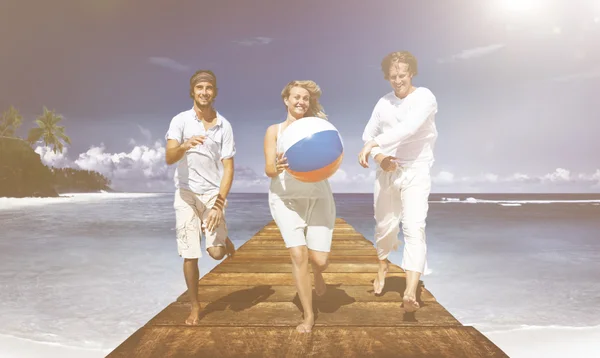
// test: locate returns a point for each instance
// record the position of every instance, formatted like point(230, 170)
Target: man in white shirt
point(200, 141)
point(400, 136)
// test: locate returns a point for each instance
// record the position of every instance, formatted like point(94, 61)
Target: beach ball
point(313, 148)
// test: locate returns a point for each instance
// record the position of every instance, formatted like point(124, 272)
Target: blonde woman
point(304, 212)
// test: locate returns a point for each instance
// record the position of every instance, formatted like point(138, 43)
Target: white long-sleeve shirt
point(404, 128)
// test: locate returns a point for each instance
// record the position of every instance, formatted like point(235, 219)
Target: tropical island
point(22, 173)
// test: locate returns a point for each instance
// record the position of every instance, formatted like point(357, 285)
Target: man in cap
point(200, 141)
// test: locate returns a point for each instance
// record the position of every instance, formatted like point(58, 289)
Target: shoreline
point(17, 347)
point(9, 203)
point(548, 341)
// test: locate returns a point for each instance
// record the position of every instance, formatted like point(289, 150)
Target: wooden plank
point(326, 342)
point(336, 231)
point(280, 245)
point(249, 257)
point(253, 278)
point(344, 230)
point(336, 236)
point(250, 307)
point(271, 293)
point(336, 228)
point(335, 241)
point(285, 252)
point(346, 312)
point(260, 267)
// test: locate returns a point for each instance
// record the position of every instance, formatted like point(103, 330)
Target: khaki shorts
point(191, 212)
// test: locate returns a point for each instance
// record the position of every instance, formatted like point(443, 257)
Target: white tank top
point(286, 186)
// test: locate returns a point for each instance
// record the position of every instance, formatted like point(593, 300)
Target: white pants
point(402, 196)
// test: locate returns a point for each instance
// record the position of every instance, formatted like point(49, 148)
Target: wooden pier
point(250, 308)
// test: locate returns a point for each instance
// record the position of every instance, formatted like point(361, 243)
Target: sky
point(514, 80)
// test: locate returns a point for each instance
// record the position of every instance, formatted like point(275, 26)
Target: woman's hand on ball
point(280, 162)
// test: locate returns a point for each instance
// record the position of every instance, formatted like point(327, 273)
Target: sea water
point(87, 270)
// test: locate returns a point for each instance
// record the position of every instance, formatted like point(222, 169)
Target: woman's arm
point(275, 163)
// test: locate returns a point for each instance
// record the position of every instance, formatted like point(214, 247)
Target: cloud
point(57, 160)
point(558, 176)
point(146, 134)
point(254, 41)
point(341, 177)
point(443, 177)
point(142, 169)
point(247, 180)
point(472, 53)
point(587, 75)
point(342, 182)
point(168, 63)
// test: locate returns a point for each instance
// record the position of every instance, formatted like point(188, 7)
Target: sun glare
point(519, 6)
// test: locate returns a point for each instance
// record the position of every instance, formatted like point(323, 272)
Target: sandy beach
point(548, 342)
point(13, 347)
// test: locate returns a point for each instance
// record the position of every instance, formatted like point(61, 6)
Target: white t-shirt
point(200, 168)
point(404, 128)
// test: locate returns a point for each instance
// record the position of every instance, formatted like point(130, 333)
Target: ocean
point(87, 270)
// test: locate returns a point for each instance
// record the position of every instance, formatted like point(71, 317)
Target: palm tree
point(49, 132)
point(10, 122)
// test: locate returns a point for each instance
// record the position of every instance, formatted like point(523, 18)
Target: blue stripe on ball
point(314, 152)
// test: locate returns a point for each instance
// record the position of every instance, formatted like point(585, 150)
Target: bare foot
point(306, 326)
point(379, 281)
point(320, 286)
point(194, 317)
point(410, 303)
point(230, 248)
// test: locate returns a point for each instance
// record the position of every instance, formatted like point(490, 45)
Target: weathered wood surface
point(250, 309)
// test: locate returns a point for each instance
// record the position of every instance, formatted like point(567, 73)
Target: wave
point(17, 203)
point(486, 328)
point(91, 346)
point(471, 200)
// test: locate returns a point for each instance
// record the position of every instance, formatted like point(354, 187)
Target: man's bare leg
point(319, 263)
point(410, 294)
point(230, 247)
point(218, 252)
point(379, 281)
point(192, 275)
point(299, 256)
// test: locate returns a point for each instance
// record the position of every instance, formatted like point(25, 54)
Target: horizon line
point(453, 193)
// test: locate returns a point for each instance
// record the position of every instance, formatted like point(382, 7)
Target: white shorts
point(294, 215)
point(191, 212)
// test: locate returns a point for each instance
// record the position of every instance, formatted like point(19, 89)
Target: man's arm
point(176, 147)
point(174, 151)
point(419, 112)
point(372, 129)
point(226, 181)
point(216, 213)
point(227, 154)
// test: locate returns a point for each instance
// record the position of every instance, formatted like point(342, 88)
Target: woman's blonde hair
point(314, 108)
